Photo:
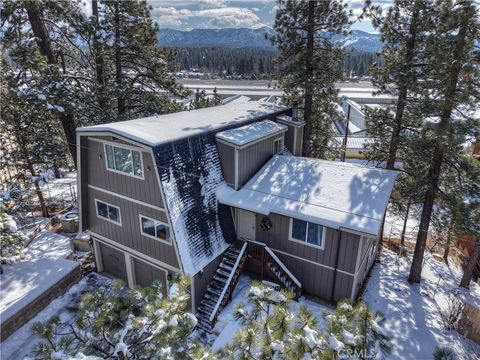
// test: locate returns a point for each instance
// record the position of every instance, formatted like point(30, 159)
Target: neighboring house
point(355, 144)
point(211, 192)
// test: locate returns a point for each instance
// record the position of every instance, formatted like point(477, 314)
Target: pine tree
point(309, 64)
point(452, 80)
point(121, 324)
point(270, 330)
point(471, 265)
point(403, 30)
point(139, 74)
point(12, 241)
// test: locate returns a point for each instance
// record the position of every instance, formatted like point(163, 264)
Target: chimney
point(295, 111)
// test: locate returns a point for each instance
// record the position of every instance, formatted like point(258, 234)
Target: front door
point(246, 224)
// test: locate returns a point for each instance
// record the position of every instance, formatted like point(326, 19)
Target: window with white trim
point(307, 232)
point(108, 212)
point(155, 229)
point(125, 160)
point(278, 146)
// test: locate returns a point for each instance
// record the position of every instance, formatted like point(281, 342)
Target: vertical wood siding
point(201, 281)
point(129, 233)
point(317, 280)
point(299, 143)
point(227, 159)
point(145, 190)
point(252, 158)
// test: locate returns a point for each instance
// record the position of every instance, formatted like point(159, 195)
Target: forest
point(222, 61)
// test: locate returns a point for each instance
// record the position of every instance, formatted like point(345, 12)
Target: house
point(215, 191)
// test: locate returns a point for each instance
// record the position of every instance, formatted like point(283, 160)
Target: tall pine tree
point(309, 63)
point(450, 105)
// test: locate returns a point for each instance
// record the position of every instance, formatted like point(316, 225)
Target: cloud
point(220, 17)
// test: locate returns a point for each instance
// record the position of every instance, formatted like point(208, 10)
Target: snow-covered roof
point(161, 129)
point(334, 194)
point(353, 142)
point(252, 132)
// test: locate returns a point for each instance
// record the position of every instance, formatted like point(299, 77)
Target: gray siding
point(201, 281)
point(252, 158)
point(145, 190)
point(145, 274)
point(128, 233)
point(227, 159)
point(316, 279)
point(299, 143)
point(367, 258)
point(277, 238)
point(289, 137)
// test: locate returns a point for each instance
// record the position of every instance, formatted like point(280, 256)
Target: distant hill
point(243, 37)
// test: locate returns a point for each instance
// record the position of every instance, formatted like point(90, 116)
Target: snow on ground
point(21, 343)
point(44, 264)
point(394, 225)
point(226, 325)
point(412, 311)
point(56, 187)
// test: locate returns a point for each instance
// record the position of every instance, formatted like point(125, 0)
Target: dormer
point(244, 150)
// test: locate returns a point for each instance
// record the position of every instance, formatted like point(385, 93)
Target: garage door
point(145, 274)
point(113, 262)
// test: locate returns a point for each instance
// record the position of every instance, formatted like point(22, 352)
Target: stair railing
point(270, 254)
point(232, 280)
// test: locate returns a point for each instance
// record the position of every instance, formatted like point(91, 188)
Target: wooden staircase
point(220, 290)
point(274, 267)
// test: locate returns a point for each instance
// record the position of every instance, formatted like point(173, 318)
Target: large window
point(108, 212)
point(278, 146)
point(155, 229)
point(124, 160)
point(307, 232)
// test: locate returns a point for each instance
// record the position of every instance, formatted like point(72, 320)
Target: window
point(307, 232)
point(124, 160)
point(278, 146)
point(108, 212)
point(154, 228)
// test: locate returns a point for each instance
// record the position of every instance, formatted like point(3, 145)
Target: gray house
point(213, 192)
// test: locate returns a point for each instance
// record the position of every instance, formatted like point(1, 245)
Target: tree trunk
point(118, 64)
point(404, 229)
point(34, 13)
point(471, 264)
point(99, 62)
point(30, 167)
point(447, 245)
point(437, 159)
point(57, 172)
point(307, 111)
point(402, 94)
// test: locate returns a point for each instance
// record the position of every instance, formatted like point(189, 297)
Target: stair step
point(220, 280)
point(233, 257)
point(225, 267)
point(223, 273)
point(213, 292)
point(204, 327)
point(233, 250)
point(213, 297)
point(228, 262)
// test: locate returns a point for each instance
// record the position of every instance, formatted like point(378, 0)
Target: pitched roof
point(251, 132)
point(161, 129)
point(334, 194)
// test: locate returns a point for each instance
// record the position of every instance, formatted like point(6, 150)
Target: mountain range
point(243, 37)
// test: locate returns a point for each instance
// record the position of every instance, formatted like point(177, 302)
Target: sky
point(192, 14)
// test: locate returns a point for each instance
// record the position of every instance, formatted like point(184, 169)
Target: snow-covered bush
point(443, 353)
point(12, 241)
point(125, 324)
point(452, 311)
point(272, 331)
